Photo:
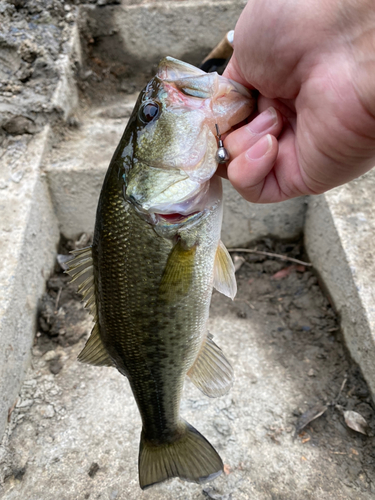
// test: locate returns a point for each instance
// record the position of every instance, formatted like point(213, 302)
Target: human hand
point(313, 63)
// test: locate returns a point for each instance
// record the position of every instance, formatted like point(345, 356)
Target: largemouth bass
point(155, 257)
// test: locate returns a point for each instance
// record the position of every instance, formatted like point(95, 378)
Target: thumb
point(234, 72)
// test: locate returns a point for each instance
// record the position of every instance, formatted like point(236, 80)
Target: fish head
point(175, 142)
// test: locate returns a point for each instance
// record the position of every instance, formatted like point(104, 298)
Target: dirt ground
point(73, 433)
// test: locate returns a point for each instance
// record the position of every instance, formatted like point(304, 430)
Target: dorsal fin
point(94, 352)
point(81, 266)
point(211, 372)
point(224, 272)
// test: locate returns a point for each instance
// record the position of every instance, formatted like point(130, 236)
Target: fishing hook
point(222, 155)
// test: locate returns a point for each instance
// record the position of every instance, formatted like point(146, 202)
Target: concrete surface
point(245, 223)
point(37, 63)
point(28, 240)
point(76, 166)
point(65, 97)
point(29, 232)
point(137, 35)
point(339, 232)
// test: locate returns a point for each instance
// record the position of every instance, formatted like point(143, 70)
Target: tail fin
point(190, 457)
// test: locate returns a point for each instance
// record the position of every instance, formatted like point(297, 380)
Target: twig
point(58, 298)
point(336, 400)
point(269, 254)
point(342, 387)
point(11, 409)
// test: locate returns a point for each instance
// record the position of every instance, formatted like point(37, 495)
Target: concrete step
point(28, 241)
point(339, 235)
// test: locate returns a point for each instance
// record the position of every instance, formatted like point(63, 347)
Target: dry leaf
point(238, 261)
point(310, 415)
point(283, 273)
point(355, 421)
point(63, 260)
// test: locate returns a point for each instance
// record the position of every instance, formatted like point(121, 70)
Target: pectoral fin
point(178, 273)
point(211, 373)
point(224, 272)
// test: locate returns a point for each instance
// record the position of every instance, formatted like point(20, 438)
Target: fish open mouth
point(174, 218)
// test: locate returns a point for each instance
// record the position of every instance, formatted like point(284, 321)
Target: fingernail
point(263, 122)
point(260, 148)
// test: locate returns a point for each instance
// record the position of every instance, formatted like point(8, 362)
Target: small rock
point(19, 473)
point(55, 365)
point(222, 426)
point(29, 51)
point(25, 403)
point(311, 372)
point(94, 467)
point(46, 411)
point(241, 314)
point(50, 355)
point(73, 122)
point(272, 266)
point(213, 494)
point(18, 125)
point(30, 383)
point(17, 176)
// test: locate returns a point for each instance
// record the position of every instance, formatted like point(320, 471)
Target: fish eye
point(149, 112)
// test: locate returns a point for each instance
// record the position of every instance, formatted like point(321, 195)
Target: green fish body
point(155, 257)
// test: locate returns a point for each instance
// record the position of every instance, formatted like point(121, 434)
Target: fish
point(156, 255)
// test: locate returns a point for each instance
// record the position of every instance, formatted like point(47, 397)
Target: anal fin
point(94, 352)
point(224, 272)
point(212, 373)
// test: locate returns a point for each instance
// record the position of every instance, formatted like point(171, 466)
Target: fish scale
point(135, 326)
